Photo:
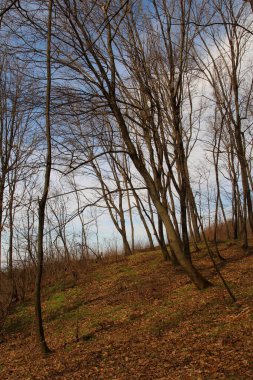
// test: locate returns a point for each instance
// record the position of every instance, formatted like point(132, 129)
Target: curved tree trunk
point(176, 244)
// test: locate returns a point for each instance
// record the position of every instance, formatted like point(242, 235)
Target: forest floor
point(138, 318)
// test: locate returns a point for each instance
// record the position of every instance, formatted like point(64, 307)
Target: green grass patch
point(60, 286)
point(55, 303)
point(98, 276)
point(20, 319)
point(56, 288)
point(127, 271)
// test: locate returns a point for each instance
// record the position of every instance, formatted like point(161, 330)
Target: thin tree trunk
point(1, 217)
point(42, 203)
point(12, 187)
point(192, 216)
point(161, 239)
point(130, 215)
point(151, 243)
point(176, 244)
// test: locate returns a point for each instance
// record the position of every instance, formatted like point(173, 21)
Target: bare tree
point(98, 70)
point(225, 72)
point(43, 200)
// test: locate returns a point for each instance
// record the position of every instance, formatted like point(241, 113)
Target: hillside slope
point(138, 318)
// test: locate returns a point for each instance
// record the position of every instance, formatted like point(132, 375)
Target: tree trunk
point(176, 244)
point(151, 243)
point(130, 214)
point(1, 217)
point(42, 203)
point(161, 239)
